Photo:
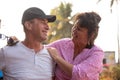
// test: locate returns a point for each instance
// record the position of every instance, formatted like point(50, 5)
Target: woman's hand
point(12, 41)
point(54, 53)
point(64, 65)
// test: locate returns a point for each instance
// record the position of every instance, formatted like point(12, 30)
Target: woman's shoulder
point(63, 40)
point(96, 47)
point(60, 42)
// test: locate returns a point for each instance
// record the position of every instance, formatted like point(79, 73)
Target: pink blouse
point(87, 65)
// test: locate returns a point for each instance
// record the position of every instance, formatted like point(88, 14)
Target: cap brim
point(51, 18)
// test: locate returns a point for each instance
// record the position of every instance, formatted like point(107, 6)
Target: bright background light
point(11, 12)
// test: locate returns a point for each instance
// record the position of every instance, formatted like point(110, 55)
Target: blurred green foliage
point(61, 28)
point(116, 72)
point(111, 73)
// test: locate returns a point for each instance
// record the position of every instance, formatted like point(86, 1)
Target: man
point(29, 59)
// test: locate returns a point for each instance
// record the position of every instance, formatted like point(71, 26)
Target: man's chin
point(44, 39)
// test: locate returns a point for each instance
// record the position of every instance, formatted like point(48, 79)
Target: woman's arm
point(88, 69)
point(64, 65)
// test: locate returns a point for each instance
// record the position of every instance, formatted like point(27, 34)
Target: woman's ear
point(28, 25)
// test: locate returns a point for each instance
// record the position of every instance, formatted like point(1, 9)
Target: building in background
point(110, 57)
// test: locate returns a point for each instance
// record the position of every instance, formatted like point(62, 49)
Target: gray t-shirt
point(21, 63)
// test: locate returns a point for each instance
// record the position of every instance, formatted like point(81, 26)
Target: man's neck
point(37, 46)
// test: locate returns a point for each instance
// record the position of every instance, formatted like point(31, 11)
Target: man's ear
point(28, 25)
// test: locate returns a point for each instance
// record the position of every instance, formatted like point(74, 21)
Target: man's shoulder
point(8, 47)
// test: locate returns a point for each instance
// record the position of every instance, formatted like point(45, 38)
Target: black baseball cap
point(35, 12)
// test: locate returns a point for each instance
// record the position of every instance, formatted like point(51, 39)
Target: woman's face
point(79, 34)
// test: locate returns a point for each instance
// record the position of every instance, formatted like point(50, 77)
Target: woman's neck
point(78, 49)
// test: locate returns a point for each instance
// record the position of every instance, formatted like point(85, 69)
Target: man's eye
point(44, 22)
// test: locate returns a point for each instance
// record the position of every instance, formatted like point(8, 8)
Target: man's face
point(39, 29)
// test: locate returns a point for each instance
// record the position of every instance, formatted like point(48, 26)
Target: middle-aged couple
point(75, 58)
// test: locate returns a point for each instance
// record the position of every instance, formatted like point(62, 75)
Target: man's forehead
point(39, 19)
point(42, 19)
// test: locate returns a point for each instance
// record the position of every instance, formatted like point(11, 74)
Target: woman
point(78, 58)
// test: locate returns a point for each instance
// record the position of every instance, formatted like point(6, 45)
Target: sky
point(12, 10)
